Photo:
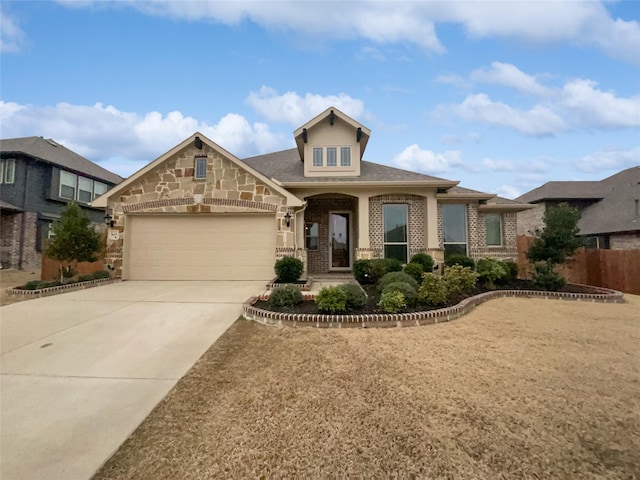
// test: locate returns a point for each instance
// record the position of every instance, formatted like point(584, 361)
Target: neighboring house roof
point(618, 211)
point(501, 204)
point(51, 151)
point(102, 200)
point(286, 168)
point(563, 191)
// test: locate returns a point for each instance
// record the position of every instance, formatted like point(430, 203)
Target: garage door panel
point(233, 247)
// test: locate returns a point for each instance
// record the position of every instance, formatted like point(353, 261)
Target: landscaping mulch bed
point(373, 297)
point(518, 389)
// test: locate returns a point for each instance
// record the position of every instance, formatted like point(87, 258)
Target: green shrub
point(362, 272)
point(392, 302)
point(285, 296)
point(394, 277)
point(459, 279)
point(356, 298)
point(547, 278)
point(433, 290)
point(85, 278)
point(39, 284)
point(512, 268)
point(415, 270)
point(459, 259)
point(490, 271)
point(424, 260)
point(379, 267)
point(408, 290)
point(332, 300)
point(288, 269)
point(101, 274)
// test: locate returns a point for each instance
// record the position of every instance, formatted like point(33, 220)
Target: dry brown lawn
point(519, 388)
point(15, 278)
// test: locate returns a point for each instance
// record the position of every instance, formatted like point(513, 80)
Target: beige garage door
point(225, 247)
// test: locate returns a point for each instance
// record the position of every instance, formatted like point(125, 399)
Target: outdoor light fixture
point(287, 218)
point(108, 219)
point(198, 143)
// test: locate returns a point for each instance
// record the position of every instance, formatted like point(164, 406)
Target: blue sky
point(502, 96)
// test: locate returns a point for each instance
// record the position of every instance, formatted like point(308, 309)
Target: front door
point(339, 241)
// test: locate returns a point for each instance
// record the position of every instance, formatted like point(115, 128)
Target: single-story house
point(609, 208)
point(199, 212)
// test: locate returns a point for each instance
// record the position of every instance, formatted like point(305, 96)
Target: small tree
point(74, 240)
point(557, 241)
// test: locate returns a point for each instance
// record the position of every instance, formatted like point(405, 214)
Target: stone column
point(431, 225)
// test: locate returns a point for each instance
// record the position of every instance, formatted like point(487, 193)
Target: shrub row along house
point(199, 212)
point(38, 178)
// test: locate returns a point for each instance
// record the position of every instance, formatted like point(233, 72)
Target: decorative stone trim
point(305, 287)
point(167, 202)
point(415, 319)
point(229, 202)
point(62, 288)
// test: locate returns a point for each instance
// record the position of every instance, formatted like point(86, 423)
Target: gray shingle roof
point(588, 190)
point(286, 167)
point(53, 152)
point(617, 211)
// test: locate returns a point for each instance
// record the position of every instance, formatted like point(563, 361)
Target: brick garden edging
point(61, 288)
point(415, 319)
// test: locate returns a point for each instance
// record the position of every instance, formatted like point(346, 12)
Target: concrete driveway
point(81, 370)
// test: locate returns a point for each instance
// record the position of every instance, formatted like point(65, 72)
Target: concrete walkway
point(81, 370)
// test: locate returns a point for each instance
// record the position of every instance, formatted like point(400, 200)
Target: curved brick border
point(603, 295)
point(61, 288)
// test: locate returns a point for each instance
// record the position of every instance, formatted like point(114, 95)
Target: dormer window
point(317, 156)
point(345, 156)
point(328, 157)
point(332, 159)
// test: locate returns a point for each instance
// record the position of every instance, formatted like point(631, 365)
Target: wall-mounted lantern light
point(108, 219)
point(287, 219)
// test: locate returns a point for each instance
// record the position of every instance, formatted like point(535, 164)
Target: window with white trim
point(395, 219)
point(200, 171)
point(345, 156)
point(332, 157)
point(99, 188)
point(7, 170)
point(493, 228)
point(85, 189)
point(317, 156)
point(454, 226)
point(68, 185)
point(311, 235)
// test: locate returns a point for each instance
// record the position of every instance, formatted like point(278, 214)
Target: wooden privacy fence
point(616, 269)
point(50, 269)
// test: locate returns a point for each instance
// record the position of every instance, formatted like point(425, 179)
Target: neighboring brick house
point(609, 208)
point(38, 178)
point(199, 212)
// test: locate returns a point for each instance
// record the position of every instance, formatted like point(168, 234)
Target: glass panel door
point(339, 248)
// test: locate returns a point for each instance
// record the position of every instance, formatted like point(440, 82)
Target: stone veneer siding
point(416, 225)
point(477, 234)
point(172, 188)
point(624, 241)
point(318, 211)
point(10, 234)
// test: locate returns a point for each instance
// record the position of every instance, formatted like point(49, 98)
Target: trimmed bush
point(433, 290)
point(546, 278)
point(94, 276)
point(394, 277)
point(332, 300)
point(392, 302)
point(408, 290)
point(356, 298)
point(512, 268)
point(459, 279)
point(285, 296)
point(289, 269)
point(379, 267)
point(362, 273)
point(423, 260)
point(40, 284)
point(415, 270)
point(490, 271)
point(459, 259)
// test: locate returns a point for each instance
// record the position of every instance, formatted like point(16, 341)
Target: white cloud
point(497, 165)
point(106, 134)
point(12, 37)
point(451, 140)
point(610, 159)
point(538, 121)
point(416, 159)
point(510, 76)
point(550, 22)
point(591, 107)
point(296, 110)
point(507, 191)
point(455, 80)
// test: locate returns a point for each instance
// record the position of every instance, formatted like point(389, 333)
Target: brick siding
point(416, 225)
point(11, 230)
